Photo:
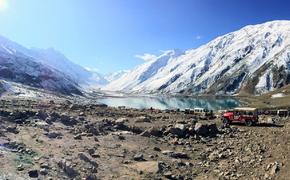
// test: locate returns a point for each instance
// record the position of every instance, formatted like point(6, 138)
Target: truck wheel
point(249, 122)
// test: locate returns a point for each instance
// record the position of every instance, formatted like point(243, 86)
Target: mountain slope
point(17, 65)
point(143, 72)
point(255, 60)
point(57, 60)
point(113, 76)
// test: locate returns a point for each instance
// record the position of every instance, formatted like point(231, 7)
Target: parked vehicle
point(283, 113)
point(249, 116)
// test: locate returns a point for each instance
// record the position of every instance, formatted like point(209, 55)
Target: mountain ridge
point(252, 60)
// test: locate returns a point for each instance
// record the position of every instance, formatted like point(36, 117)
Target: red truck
point(249, 116)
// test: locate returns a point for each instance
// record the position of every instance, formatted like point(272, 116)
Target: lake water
point(211, 103)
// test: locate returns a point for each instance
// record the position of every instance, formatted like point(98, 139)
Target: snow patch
point(278, 95)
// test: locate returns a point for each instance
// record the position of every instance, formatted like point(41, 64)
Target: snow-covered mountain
point(113, 76)
point(17, 65)
point(57, 60)
point(144, 72)
point(254, 59)
point(44, 68)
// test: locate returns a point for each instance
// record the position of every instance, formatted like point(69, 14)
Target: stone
point(274, 169)
point(176, 155)
point(153, 131)
point(44, 165)
point(168, 174)
point(78, 137)
point(43, 171)
point(179, 130)
point(20, 167)
point(67, 167)
point(213, 130)
point(68, 121)
point(138, 157)
point(91, 151)
point(54, 135)
point(33, 173)
point(214, 156)
point(142, 119)
point(157, 149)
point(121, 121)
point(85, 157)
point(41, 115)
point(12, 129)
point(180, 155)
point(201, 129)
point(206, 129)
point(74, 106)
point(92, 177)
point(150, 167)
point(41, 124)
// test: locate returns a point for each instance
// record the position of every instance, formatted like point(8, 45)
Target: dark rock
point(86, 158)
point(78, 137)
point(91, 151)
point(121, 121)
point(213, 130)
point(179, 130)
point(43, 171)
point(68, 121)
point(153, 131)
point(206, 129)
point(177, 155)
point(54, 135)
point(201, 129)
point(157, 149)
point(138, 157)
point(68, 168)
point(33, 173)
point(41, 115)
point(12, 129)
point(142, 119)
point(92, 177)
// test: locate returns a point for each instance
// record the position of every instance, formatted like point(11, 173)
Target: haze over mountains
point(253, 60)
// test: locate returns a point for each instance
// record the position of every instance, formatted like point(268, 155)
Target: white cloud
point(198, 37)
point(91, 69)
point(146, 57)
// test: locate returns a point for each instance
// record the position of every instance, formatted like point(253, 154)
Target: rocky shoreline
point(49, 139)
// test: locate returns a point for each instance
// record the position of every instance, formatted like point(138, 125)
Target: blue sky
point(108, 34)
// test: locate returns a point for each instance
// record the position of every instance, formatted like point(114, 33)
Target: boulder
point(33, 173)
point(206, 129)
point(12, 129)
point(67, 120)
point(121, 121)
point(213, 130)
point(54, 135)
point(138, 157)
point(148, 167)
point(177, 155)
point(67, 167)
point(86, 158)
point(153, 131)
point(142, 119)
point(201, 129)
point(179, 130)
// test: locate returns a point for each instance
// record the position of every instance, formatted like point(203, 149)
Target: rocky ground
point(63, 139)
